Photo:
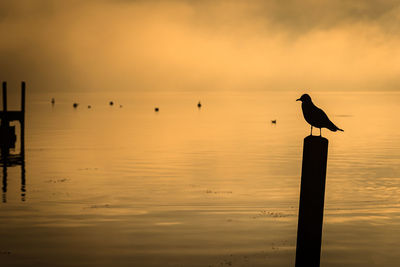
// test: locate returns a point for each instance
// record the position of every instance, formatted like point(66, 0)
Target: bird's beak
point(298, 99)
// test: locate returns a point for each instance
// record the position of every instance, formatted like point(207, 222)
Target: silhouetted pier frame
point(311, 207)
point(8, 140)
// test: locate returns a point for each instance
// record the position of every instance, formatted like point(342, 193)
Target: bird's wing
point(321, 116)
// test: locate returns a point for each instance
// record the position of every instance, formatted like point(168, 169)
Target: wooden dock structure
point(8, 139)
point(7, 132)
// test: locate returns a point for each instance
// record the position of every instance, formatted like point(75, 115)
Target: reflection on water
point(216, 186)
point(10, 160)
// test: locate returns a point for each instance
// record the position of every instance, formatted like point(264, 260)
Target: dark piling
point(311, 207)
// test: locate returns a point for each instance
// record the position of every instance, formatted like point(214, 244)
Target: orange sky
point(201, 45)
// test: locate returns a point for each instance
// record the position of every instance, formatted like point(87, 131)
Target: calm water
point(219, 186)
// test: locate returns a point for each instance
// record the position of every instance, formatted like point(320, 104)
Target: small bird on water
point(315, 116)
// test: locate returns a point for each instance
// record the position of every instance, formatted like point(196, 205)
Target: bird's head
point(305, 98)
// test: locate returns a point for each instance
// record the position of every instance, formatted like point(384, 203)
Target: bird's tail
point(338, 129)
point(334, 128)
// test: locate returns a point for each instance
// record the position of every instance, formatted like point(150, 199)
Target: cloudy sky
point(132, 45)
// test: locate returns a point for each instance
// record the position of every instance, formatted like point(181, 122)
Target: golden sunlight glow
point(201, 45)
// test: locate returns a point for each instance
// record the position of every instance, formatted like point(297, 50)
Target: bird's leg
point(311, 130)
point(319, 131)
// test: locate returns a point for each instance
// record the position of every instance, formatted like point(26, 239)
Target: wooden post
point(22, 138)
point(23, 181)
point(4, 121)
point(3, 149)
point(4, 188)
point(22, 122)
point(311, 207)
point(5, 96)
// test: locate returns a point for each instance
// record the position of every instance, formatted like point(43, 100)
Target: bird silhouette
point(315, 116)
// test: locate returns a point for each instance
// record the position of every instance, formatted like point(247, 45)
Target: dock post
point(22, 122)
point(4, 121)
point(4, 151)
point(22, 138)
point(4, 96)
point(311, 207)
point(23, 181)
point(4, 187)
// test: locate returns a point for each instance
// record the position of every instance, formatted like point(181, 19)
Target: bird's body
point(315, 116)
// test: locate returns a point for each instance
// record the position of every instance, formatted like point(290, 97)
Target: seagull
point(315, 116)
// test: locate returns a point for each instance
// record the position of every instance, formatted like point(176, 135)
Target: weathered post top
point(316, 140)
